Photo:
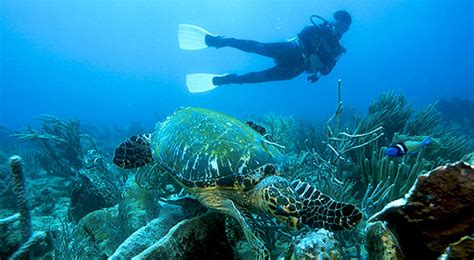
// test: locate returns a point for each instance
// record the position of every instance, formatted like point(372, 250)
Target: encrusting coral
point(436, 213)
point(320, 244)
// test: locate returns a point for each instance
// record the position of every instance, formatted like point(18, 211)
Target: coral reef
point(425, 121)
point(319, 244)
point(453, 145)
point(200, 237)
point(280, 130)
point(19, 188)
point(391, 111)
point(61, 142)
point(94, 210)
point(462, 249)
point(386, 180)
point(32, 243)
point(9, 235)
point(94, 190)
point(381, 242)
point(103, 230)
point(458, 111)
point(7, 198)
point(469, 158)
point(147, 235)
point(434, 214)
point(350, 165)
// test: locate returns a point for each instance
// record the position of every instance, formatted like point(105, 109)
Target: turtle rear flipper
point(134, 152)
point(320, 211)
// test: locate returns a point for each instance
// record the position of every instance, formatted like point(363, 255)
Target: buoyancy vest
point(320, 45)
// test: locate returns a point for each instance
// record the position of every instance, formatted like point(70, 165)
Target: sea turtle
point(233, 169)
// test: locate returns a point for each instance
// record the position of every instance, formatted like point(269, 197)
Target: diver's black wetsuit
point(289, 61)
point(290, 57)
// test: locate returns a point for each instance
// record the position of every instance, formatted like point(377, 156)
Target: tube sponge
point(19, 188)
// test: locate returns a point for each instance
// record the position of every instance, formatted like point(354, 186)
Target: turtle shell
point(203, 148)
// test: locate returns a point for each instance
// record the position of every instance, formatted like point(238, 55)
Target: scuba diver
point(315, 50)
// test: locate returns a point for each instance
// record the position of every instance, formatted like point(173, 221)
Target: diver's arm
point(315, 75)
point(328, 68)
point(329, 65)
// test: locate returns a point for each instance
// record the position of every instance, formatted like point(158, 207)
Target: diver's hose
point(312, 17)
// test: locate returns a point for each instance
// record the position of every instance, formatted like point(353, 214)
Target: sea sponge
point(19, 188)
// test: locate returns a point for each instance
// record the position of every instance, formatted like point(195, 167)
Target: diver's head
point(342, 21)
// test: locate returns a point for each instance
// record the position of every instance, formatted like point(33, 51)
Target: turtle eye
point(281, 211)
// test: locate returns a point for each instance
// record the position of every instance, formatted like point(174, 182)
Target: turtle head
point(277, 198)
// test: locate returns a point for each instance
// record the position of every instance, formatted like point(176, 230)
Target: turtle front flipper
point(134, 152)
point(320, 211)
point(250, 232)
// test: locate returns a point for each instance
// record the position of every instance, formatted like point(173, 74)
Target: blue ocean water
point(115, 62)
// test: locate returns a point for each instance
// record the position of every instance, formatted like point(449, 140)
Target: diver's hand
point(313, 78)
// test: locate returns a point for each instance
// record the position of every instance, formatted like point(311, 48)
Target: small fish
point(407, 147)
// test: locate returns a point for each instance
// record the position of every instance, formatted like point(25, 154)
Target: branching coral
point(452, 145)
point(425, 121)
point(61, 142)
point(386, 179)
point(391, 111)
point(343, 143)
point(280, 129)
point(311, 167)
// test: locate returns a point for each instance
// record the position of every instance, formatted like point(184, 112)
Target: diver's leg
point(272, 50)
point(272, 74)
